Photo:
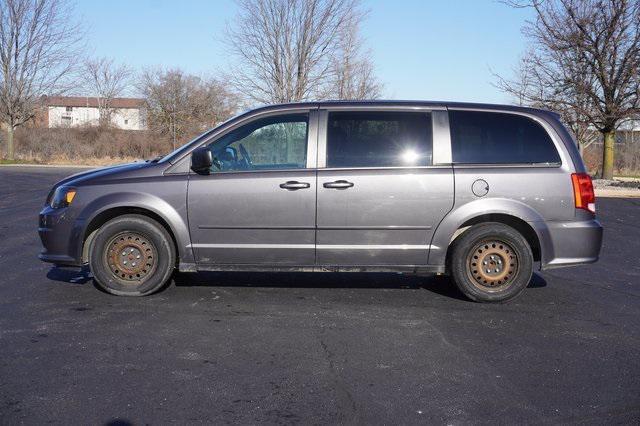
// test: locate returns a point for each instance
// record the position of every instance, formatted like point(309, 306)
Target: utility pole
point(174, 130)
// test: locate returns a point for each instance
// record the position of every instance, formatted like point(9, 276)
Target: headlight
point(63, 197)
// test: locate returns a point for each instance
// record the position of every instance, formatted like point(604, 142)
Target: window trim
point(507, 165)
point(555, 139)
point(317, 130)
point(323, 117)
point(312, 139)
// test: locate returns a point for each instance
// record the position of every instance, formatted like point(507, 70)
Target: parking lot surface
point(314, 348)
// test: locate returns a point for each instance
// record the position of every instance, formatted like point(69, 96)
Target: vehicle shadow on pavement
point(70, 275)
point(437, 284)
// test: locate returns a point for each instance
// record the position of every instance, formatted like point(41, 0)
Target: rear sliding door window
point(379, 139)
point(496, 138)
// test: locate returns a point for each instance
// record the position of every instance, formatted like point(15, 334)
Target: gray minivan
point(484, 193)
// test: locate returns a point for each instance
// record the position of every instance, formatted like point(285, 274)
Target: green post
point(607, 155)
point(10, 150)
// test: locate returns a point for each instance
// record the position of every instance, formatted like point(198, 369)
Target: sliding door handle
point(294, 185)
point(339, 184)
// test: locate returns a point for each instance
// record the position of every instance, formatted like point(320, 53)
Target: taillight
point(583, 192)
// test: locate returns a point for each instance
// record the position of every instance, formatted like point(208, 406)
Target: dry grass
point(91, 145)
point(97, 146)
point(626, 158)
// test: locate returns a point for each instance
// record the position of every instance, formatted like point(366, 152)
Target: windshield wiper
point(155, 160)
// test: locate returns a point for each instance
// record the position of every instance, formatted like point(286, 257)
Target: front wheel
point(132, 255)
point(491, 262)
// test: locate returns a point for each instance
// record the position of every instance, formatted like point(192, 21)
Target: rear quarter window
point(498, 138)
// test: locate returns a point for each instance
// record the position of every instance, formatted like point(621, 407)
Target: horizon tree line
point(583, 61)
point(313, 46)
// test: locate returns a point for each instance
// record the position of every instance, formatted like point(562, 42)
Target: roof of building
point(91, 102)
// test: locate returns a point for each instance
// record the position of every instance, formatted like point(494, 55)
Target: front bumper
point(61, 235)
point(571, 243)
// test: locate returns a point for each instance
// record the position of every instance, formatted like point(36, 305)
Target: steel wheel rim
point(131, 258)
point(492, 265)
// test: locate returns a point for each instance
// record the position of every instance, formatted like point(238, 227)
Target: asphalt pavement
point(251, 348)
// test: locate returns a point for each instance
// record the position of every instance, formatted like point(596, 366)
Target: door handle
point(339, 184)
point(294, 185)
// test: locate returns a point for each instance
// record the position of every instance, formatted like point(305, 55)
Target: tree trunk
point(10, 150)
point(607, 155)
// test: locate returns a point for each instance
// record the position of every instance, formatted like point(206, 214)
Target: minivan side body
point(343, 186)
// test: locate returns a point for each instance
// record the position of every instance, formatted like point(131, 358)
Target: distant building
point(74, 111)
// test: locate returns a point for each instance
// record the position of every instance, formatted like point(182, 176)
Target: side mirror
point(201, 160)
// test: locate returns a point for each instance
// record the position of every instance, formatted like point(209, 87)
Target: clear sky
point(422, 49)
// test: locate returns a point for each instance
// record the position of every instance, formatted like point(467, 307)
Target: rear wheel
point(491, 262)
point(132, 255)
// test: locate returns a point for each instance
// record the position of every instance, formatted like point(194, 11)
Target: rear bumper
point(61, 236)
point(571, 243)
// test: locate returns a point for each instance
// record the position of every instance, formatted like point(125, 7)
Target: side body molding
point(445, 231)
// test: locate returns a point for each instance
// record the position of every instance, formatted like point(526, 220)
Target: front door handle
point(294, 185)
point(339, 184)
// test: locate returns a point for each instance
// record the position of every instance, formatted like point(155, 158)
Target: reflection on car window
point(479, 137)
point(379, 139)
point(267, 144)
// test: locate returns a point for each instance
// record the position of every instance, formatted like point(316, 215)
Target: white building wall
point(123, 118)
point(128, 119)
point(60, 116)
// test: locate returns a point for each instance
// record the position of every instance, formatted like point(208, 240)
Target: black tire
point(132, 255)
point(490, 262)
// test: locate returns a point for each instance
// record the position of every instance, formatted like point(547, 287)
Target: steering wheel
point(245, 155)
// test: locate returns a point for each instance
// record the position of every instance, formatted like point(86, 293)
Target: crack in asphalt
point(347, 409)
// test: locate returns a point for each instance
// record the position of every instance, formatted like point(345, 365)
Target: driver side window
point(270, 143)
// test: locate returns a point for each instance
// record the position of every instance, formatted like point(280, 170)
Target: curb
point(53, 166)
point(614, 193)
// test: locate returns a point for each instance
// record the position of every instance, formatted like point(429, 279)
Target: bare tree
point(38, 42)
point(106, 81)
point(179, 103)
point(353, 74)
point(585, 60)
point(532, 86)
point(286, 49)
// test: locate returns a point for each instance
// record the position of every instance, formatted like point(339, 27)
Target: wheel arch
point(105, 216)
point(102, 210)
point(515, 214)
point(516, 223)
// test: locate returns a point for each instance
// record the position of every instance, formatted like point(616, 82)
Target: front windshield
point(179, 151)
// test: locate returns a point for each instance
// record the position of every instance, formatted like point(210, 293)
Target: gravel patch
point(617, 188)
point(615, 184)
